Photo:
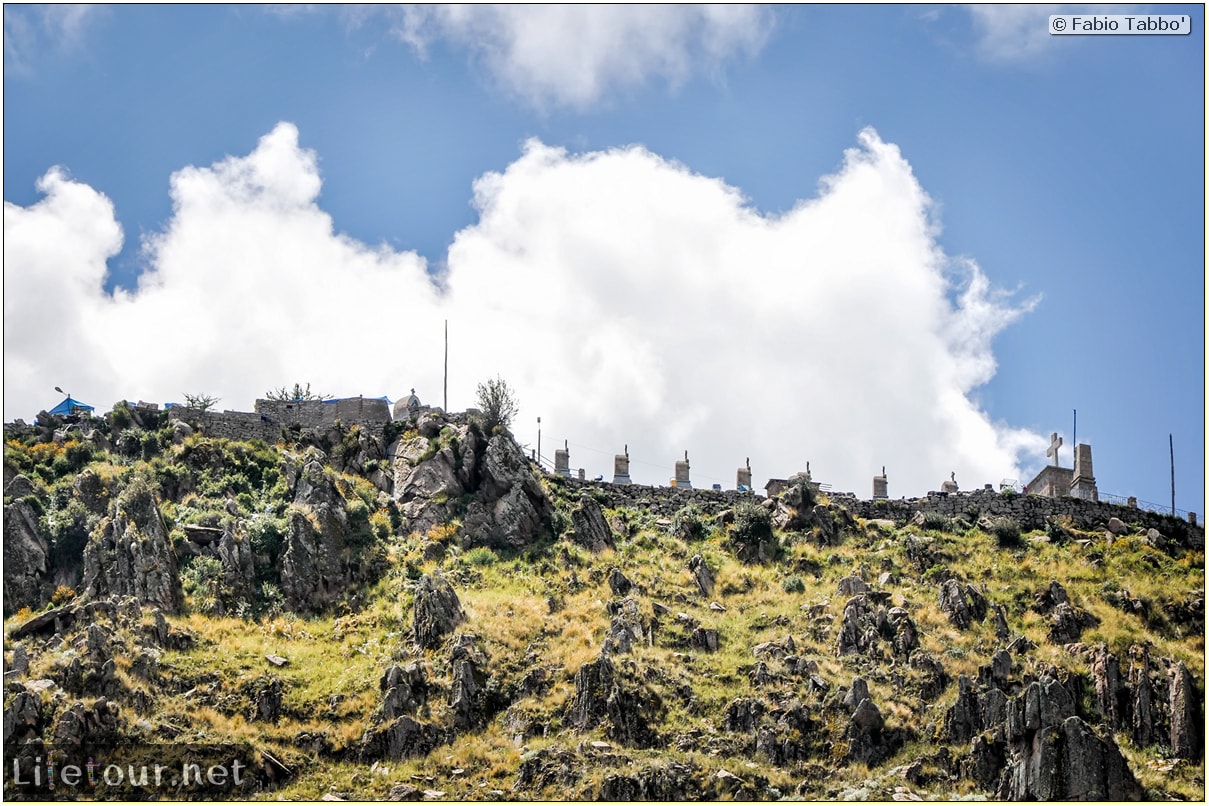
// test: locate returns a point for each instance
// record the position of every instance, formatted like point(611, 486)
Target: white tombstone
point(621, 467)
point(880, 486)
point(743, 477)
point(682, 477)
point(562, 461)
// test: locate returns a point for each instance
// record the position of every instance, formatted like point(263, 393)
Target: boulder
point(19, 487)
point(589, 527)
point(701, 575)
point(437, 610)
point(1116, 526)
point(404, 691)
point(962, 603)
point(619, 583)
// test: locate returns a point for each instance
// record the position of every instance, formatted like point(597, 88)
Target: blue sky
point(1069, 170)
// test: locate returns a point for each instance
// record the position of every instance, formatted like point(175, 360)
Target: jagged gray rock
point(26, 557)
point(589, 527)
point(404, 691)
point(599, 698)
point(1186, 727)
point(701, 575)
point(437, 610)
point(619, 583)
point(962, 603)
point(131, 553)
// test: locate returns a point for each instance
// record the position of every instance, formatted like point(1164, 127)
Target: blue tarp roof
point(70, 405)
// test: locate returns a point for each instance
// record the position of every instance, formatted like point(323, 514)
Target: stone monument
point(880, 487)
point(562, 460)
point(1083, 483)
point(743, 477)
point(950, 486)
point(682, 478)
point(621, 467)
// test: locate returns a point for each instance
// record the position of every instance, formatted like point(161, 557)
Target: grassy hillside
point(542, 613)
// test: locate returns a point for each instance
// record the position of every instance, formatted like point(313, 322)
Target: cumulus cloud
point(573, 55)
point(626, 298)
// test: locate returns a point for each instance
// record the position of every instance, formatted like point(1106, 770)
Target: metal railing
point(1159, 509)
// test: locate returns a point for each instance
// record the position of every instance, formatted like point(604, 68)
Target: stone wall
point(272, 417)
point(662, 501)
point(1030, 511)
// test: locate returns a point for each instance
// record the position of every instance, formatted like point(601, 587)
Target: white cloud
point(32, 31)
point(1020, 33)
point(627, 299)
point(574, 55)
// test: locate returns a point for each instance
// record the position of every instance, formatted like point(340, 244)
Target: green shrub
point(937, 522)
point(688, 523)
point(200, 580)
point(1006, 532)
point(751, 535)
point(793, 584)
point(480, 556)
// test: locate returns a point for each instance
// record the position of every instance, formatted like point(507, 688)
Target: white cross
point(1055, 442)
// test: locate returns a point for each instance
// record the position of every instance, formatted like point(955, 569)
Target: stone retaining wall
point(1030, 511)
point(272, 417)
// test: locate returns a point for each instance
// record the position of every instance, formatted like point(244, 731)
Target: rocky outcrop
point(701, 575)
point(437, 610)
point(449, 470)
point(404, 691)
point(962, 603)
point(318, 562)
point(1186, 724)
point(468, 683)
point(626, 626)
point(600, 698)
point(589, 527)
point(131, 553)
point(26, 557)
point(1065, 761)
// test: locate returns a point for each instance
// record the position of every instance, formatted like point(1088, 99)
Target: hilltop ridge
point(409, 607)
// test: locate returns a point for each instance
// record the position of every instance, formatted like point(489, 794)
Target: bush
point(498, 402)
point(200, 581)
point(793, 584)
point(688, 523)
point(1006, 532)
point(937, 522)
point(62, 595)
point(751, 534)
point(480, 556)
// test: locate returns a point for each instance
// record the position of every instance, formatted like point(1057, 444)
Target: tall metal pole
point(539, 441)
point(1171, 447)
point(1074, 437)
point(445, 400)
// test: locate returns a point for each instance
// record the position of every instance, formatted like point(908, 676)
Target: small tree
point(498, 403)
point(298, 393)
point(200, 402)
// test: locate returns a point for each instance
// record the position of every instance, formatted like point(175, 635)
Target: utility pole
point(539, 441)
point(1074, 437)
point(1171, 448)
point(445, 399)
